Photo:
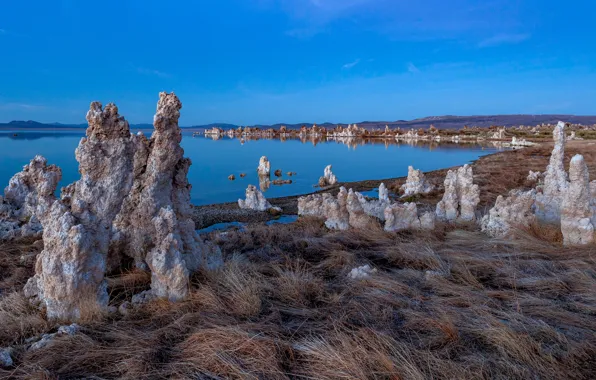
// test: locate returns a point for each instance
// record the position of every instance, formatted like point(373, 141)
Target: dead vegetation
point(447, 304)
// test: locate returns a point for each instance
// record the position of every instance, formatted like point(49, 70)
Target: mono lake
point(214, 160)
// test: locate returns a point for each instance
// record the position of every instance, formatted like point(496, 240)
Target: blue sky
point(267, 61)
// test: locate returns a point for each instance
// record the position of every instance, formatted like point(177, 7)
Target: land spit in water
point(496, 174)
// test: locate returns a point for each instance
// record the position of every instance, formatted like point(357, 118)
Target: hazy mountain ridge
point(445, 122)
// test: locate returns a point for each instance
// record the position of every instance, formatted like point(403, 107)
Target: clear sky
point(267, 61)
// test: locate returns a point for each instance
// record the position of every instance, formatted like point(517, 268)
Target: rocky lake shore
point(485, 270)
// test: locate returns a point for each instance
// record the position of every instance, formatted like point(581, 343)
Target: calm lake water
point(213, 161)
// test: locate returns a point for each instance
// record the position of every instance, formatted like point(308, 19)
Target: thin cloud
point(22, 106)
point(412, 68)
point(503, 39)
point(349, 65)
point(146, 71)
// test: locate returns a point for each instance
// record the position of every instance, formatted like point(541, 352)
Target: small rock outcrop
point(383, 193)
point(358, 217)
point(69, 274)
point(577, 213)
point(264, 168)
point(404, 216)
point(461, 196)
point(514, 211)
point(548, 203)
point(416, 183)
point(363, 272)
point(28, 199)
point(336, 211)
point(328, 178)
point(534, 176)
point(255, 200)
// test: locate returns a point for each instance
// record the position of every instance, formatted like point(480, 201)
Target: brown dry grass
point(447, 304)
point(450, 304)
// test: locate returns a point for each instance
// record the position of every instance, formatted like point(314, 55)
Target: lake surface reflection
point(214, 160)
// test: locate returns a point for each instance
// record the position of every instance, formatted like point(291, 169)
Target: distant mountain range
point(444, 122)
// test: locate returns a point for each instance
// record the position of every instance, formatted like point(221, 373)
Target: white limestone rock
point(328, 177)
point(264, 168)
point(255, 200)
point(576, 209)
point(69, 274)
point(363, 272)
point(416, 183)
point(514, 211)
point(312, 205)
point(5, 357)
point(548, 203)
point(402, 217)
point(336, 211)
point(383, 193)
point(427, 221)
point(28, 198)
point(169, 272)
point(534, 176)
point(461, 196)
point(358, 217)
point(160, 181)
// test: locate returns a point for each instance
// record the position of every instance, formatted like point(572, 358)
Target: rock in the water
point(461, 196)
point(416, 183)
point(514, 211)
point(231, 177)
point(278, 173)
point(160, 182)
point(264, 168)
point(69, 279)
point(255, 200)
point(577, 213)
point(328, 177)
point(28, 199)
point(402, 217)
point(548, 203)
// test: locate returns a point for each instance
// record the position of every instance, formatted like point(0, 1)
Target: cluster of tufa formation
point(565, 199)
point(548, 202)
point(352, 209)
point(460, 198)
point(69, 274)
point(133, 199)
point(513, 211)
point(328, 178)
point(416, 183)
point(27, 199)
point(255, 200)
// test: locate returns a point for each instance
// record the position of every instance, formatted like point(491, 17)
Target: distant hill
point(444, 122)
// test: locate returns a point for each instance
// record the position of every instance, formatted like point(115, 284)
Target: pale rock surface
point(160, 182)
point(402, 217)
point(5, 357)
point(358, 218)
point(576, 209)
point(534, 176)
point(47, 339)
point(383, 193)
point(362, 272)
point(416, 183)
point(328, 177)
point(427, 221)
point(169, 272)
point(373, 207)
point(264, 168)
point(28, 198)
point(514, 211)
point(548, 203)
point(312, 205)
point(461, 196)
point(255, 200)
point(336, 211)
point(69, 274)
